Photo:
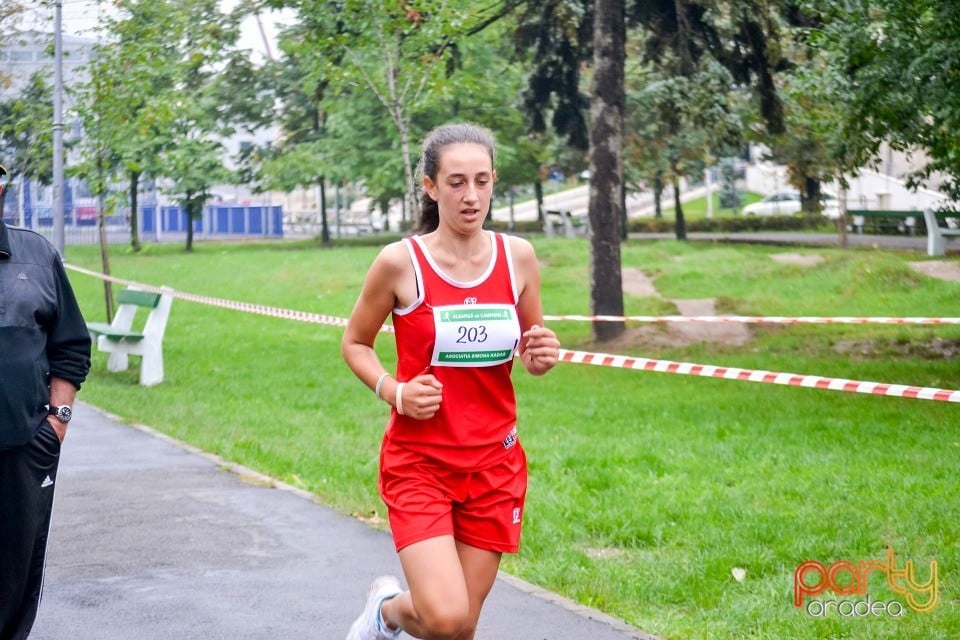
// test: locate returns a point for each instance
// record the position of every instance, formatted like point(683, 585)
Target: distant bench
point(120, 340)
point(883, 219)
point(566, 223)
point(937, 236)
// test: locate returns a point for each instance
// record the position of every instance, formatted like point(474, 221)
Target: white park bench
point(937, 236)
point(121, 340)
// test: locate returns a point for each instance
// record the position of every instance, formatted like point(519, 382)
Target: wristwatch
point(62, 412)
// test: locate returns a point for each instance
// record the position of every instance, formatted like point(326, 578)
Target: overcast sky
point(80, 17)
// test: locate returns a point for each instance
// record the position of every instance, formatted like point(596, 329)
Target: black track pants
point(27, 477)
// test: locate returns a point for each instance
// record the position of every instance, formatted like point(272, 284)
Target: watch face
point(63, 413)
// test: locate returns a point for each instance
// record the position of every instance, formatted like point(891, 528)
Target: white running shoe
point(370, 625)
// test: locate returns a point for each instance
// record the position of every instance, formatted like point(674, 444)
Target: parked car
point(787, 203)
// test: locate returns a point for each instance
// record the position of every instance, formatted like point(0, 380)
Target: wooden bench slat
point(883, 213)
point(104, 329)
point(139, 298)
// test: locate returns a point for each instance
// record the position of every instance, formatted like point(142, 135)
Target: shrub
point(731, 225)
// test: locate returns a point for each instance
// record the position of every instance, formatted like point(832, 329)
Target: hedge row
point(664, 225)
point(734, 224)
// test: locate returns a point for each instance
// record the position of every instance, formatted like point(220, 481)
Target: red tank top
point(465, 333)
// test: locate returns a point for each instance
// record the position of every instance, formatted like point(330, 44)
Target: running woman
point(453, 475)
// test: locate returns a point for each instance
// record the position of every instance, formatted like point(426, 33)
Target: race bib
point(475, 335)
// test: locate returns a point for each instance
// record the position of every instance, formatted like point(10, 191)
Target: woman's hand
point(420, 398)
point(541, 350)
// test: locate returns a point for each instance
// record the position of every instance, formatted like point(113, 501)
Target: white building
point(32, 51)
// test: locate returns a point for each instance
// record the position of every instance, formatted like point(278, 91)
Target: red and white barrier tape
point(756, 319)
point(584, 357)
point(259, 309)
point(770, 377)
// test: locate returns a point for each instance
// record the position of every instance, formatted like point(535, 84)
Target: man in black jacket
point(44, 357)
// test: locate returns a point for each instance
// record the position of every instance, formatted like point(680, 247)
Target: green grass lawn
point(647, 490)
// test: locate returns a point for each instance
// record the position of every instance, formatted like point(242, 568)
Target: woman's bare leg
point(448, 583)
point(480, 568)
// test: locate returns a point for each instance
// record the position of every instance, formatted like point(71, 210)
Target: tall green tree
point(195, 121)
point(897, 62)
point(812, 102)
point(130, 64)
point(485, 63)
point(167, 87)
point(808, 145)
point(26, 133)
point(369, 153)
point(298, 157)
point(398, 52)
point(739, 35)
point(558, 37)
point(356, 142)
point(679, 124)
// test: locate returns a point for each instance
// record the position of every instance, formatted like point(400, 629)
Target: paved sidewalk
point(152, 540)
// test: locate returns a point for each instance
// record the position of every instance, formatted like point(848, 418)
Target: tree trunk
point(324, 227)
point(606, 172)
point(842, 219)
point(105, 262)
point(411, 198)
point(189, 210)
point(658, 195)
point(385, 212)
point(623, 210)
point(681, 222)
point(403, 124)
point(810, 196)
point(538, 192)
point(134, 225)
point(104, 253)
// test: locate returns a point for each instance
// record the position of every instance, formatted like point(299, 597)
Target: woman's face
point(464, 184)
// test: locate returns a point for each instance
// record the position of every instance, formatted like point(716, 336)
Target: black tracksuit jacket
point(42, 333)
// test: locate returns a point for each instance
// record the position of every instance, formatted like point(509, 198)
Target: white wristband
point(380, 380)
point(400, 398)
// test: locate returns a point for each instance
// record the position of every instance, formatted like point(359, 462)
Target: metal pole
point(58, 186)
point(706, 181)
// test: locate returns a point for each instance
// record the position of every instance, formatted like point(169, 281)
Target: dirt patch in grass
point(676, 334)
point(806, 260)
point(942, 269)
point(637, 283)
point(932, 349)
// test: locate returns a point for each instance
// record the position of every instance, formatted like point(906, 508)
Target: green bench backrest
point(139, 298)
point(880, 213)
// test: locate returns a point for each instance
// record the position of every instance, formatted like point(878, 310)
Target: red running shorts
point(426, 499)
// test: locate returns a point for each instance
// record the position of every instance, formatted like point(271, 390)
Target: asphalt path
point(154, 540)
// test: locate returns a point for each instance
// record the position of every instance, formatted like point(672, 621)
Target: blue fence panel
point(148, 219)
point(221, 219)
point(171, 219)
point(255, 220)
point(277, 221)
point(155, 220)
point(237, 215)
